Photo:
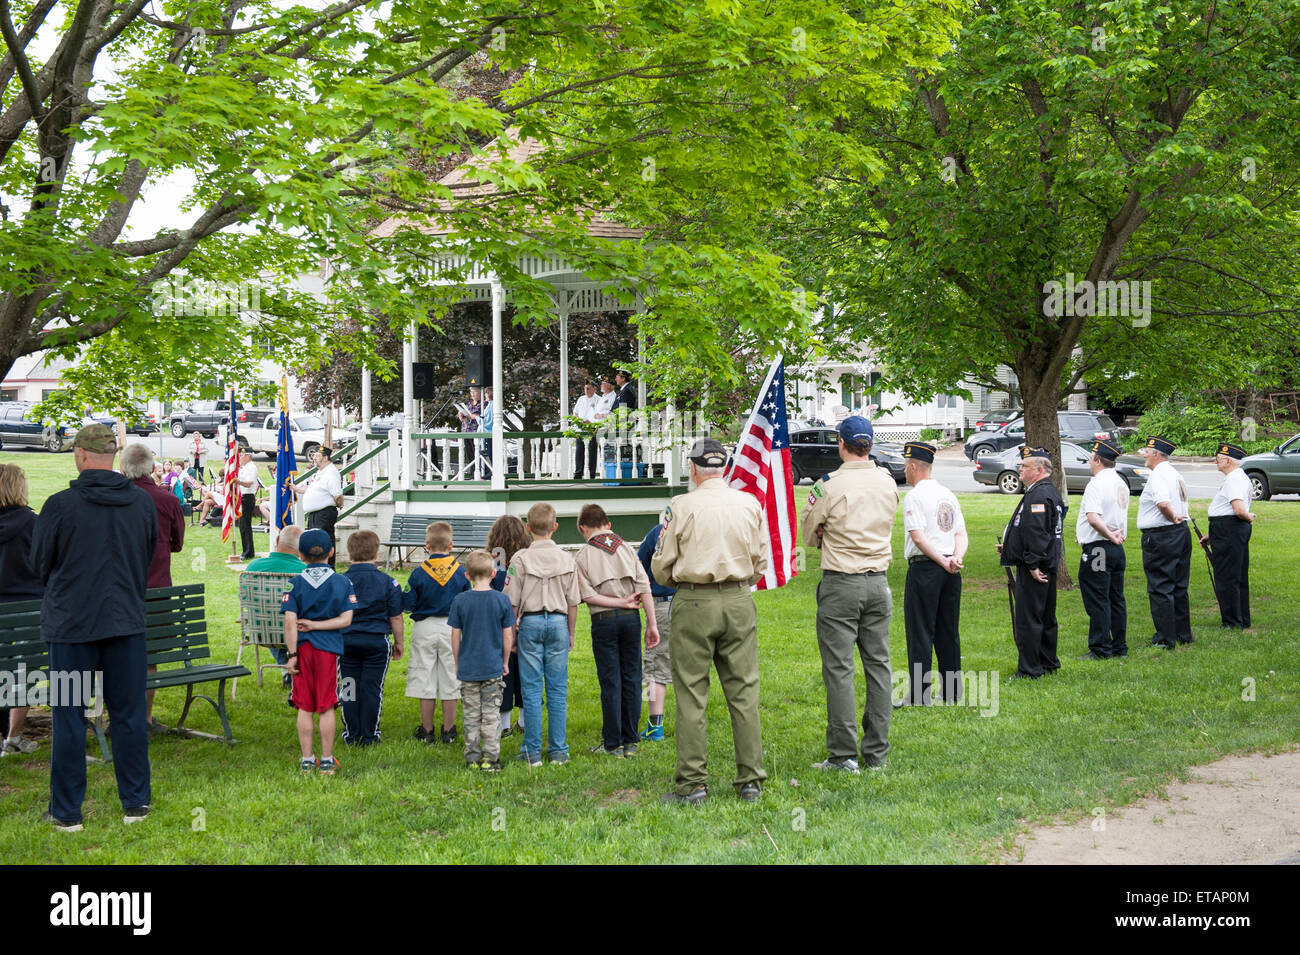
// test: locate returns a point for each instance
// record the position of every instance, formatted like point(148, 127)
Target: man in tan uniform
point(850, 516)
point(542, 584)
point(712, 549)
point(614, 586)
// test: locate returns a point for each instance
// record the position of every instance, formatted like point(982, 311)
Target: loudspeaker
point(476, 365)
point(422, 379)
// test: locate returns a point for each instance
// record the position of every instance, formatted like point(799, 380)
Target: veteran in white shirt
point(586, 409)
point(1166, 545)
point(322, 495)
point(1230, 525)
point(1101, 529)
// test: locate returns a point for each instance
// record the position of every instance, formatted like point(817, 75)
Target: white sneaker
point(847, 765)
point(20, 744)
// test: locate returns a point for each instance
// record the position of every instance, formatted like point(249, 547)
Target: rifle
point(1205, 546)
point(1011, 596)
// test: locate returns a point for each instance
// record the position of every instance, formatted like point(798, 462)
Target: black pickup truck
point(206, 417)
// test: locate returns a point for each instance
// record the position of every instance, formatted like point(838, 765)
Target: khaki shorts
point(656, 666)
point(431, 668)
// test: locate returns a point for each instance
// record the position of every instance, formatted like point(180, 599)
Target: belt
point(1164, 528)
point(864, 573)
point(542, 613)
point(616, 613)
point(916, 560)
point(1226, 517)
point(719, 585)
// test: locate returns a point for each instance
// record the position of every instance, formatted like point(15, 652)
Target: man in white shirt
point(934, 544)
point(605, 400)
point(584, 409)
point(1101, 529)
point(321, 495)
point(246, 479)
point(1166, 545)
point(1230, 527)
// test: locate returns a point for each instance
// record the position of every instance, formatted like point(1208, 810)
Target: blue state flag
point(286, 469)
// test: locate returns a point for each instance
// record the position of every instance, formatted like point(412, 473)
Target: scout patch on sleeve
point(668, 515)
point(352, 598)
point(1038, 508)
point(285, 598)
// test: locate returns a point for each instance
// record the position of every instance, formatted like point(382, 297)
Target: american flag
point(761, 466)
point(230, 513)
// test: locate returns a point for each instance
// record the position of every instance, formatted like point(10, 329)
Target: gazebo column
point(498, 414)
point(408, 409)
point(566, 444)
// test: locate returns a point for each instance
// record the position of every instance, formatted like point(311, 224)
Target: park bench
point(408, 531)
point(175, 632)
point(261, 621)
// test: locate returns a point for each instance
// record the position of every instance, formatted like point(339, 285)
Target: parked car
point(305, 430)
point(206, 417)
point(143, 427)
point(1275, 472)
point(19, 428)
point(382, 424)
point(992, 420)
point(815, 451)
point(1003, 470)
point(1074, 426)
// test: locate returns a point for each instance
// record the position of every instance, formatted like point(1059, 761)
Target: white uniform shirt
point(932, 509)
point(247, 478)
point(585, 408)
point(1165, 485)
point(1107, 495)
point(322, 490)
point(604, 403)
point(1236, 487)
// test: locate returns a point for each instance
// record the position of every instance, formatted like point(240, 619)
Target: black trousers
point(325, 519)
point(512, 693)
point(1230, 546)
point(616, 645)
point(1167, 560)
point(362, 669)
point(247, 505)
point(589, 453)
point(1101, 583)
point(931, 608)
point(1036, 622)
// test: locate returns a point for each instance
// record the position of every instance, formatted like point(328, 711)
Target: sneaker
point(329, 765)
point(20, 744)
point(474, 764)
point(694, 798)
point(308, 764)
point(59, 824)
point(559, 759)
point(750, 792)
point(491, 766)
point(533, 761)
point(448, 736)
point(616, 752)
point(135, 815)
point(874, 767)
point(653, 733)
point(846, 765)
point(629, 749)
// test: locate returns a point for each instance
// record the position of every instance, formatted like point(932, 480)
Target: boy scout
point(850, 516)
point(542, 584)
point(614, 585)
point(1166, 545)
point(1032, 545)
point(712, 549)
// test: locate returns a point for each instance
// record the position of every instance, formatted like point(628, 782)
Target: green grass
point(958, 788)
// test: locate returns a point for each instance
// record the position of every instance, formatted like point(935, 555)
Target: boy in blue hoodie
point(431, 669)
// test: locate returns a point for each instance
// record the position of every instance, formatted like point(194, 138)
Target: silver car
point(1003, 470)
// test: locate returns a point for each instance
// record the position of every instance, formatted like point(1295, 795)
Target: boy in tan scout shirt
point(542, 584)
point(614, 586)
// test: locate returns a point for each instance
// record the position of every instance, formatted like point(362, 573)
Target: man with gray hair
point(137, 464)
point(1032, 544)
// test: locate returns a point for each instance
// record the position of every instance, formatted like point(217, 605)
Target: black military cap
point(1163, 445)
point(708, 453)
point(1027, 452)
point(919, 451)
point(1105, 450)
point(1232, 451)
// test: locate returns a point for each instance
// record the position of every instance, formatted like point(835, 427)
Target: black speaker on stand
point(422, 379)
point(476, 365)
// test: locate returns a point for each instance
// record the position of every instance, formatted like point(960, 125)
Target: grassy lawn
point(959, 784)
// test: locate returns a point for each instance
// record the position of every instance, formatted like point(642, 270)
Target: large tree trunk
point(1043, 430)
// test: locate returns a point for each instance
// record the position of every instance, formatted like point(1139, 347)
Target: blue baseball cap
point(857, 429)
point(314, 543)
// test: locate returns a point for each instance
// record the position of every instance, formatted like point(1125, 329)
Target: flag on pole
point(230, 513)
point(286, 465)
point(761, 466)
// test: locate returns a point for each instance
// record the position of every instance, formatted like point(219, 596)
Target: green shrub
point(931, 434)
point(1198, 429)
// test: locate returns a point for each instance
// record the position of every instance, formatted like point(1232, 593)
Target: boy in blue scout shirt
point(431, 670)
point(366, 647)
point(482, 635)
point(316, 608)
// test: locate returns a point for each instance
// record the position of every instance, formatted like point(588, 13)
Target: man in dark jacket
point(627, 396)
point(137, 464)
point(1032, 545)
point(92, 549)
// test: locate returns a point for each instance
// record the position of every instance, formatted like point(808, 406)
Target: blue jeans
point(544, 657)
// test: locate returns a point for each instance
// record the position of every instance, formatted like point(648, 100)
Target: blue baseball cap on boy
point(314, 544)
point(857, 430)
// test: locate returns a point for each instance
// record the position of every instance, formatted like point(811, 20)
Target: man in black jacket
point(627, 397)
point(92, 548)
point(1032, 545)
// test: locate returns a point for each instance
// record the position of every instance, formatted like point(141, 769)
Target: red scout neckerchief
point(607, 541)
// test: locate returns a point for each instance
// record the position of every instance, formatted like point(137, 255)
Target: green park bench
point(175, 632)
point(408, 531)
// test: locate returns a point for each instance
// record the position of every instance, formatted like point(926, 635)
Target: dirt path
point(1241, 809)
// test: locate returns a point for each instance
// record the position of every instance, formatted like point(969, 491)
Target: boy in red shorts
point(316, 608)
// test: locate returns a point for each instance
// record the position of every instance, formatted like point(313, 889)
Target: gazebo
point(429, 473)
